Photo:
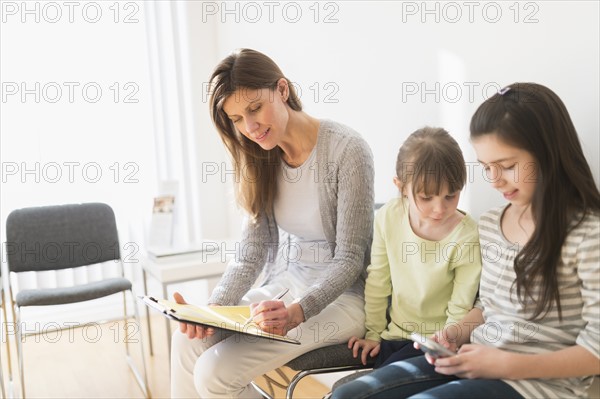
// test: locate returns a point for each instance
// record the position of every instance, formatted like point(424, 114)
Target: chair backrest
point(61, 237)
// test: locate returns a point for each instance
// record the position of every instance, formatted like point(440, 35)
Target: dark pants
point(417, 379)
point(394, 351)
point(389, 352)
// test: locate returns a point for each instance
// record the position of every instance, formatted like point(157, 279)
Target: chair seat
point(80, 293)
point(329, 356)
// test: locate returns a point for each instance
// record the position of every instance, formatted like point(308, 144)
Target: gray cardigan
point(345, 185)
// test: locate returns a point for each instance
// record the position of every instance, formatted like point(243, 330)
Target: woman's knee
point(214, 379)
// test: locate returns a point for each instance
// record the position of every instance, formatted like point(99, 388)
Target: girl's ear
point(398, 183)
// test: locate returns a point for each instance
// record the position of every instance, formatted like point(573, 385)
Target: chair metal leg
point(18, 336)
point(272, 383)
point(141, 380)
point(4, 333)
point(125, 321)
point(304, 373)
point(263, 393)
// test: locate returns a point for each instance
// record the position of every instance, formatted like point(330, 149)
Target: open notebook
point(230, 318)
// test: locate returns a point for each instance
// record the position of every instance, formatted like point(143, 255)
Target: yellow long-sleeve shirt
point(431, 283)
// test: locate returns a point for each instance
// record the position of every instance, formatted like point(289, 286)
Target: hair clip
point(504, 90)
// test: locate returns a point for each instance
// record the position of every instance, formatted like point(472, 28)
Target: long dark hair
point(255, 168)
point(532, 117)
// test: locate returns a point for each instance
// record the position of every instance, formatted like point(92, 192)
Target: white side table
point(186, 268)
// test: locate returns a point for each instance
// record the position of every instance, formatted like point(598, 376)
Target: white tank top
point(302, 244)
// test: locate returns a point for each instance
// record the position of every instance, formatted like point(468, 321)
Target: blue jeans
point(415, 378)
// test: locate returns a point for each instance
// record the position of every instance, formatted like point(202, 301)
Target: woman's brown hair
point(255, 168)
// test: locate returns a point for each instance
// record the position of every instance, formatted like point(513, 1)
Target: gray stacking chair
point(60, 237)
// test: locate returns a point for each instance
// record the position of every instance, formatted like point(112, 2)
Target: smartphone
point(434, 349)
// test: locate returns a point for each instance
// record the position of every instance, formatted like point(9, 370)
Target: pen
point(275, 298)
point(280, 295)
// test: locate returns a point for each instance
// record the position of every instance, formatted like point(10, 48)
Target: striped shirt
point(507, 321)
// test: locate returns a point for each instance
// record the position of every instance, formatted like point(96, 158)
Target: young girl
point(307, 187)
point(425, 252)
point(535, 330)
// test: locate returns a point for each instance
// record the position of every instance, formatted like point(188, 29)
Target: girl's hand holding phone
point(476, 361)
point(432, 348)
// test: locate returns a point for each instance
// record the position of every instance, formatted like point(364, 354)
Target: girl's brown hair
point(532, 117)
point(255, 169)
point(431, 159)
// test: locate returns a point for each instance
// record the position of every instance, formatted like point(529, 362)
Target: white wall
point(76, 117)
point(372, 56)
point(76, 124)
point(356, 62)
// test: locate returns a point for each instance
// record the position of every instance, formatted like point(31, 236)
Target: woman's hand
point(275, 318)
point(191, 330)
point(369, 347)
point(475, 361)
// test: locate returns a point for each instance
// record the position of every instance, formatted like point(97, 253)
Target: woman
point(307, 187)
